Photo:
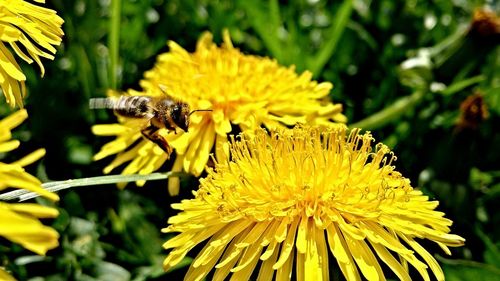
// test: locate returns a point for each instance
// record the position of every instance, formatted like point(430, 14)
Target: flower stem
point(390, 113)
point(335, 32)
point(55, 186)
point(114, 42)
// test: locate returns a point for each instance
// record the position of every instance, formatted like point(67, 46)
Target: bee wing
point(165, 90)
point(101, 103)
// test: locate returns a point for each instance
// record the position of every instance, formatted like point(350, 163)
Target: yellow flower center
point(319, 174)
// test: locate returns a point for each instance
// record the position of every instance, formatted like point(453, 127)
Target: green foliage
point(400, 67)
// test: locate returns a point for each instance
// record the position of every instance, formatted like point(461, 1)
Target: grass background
point(358, 45)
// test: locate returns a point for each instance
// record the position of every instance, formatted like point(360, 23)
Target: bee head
point(180, 115)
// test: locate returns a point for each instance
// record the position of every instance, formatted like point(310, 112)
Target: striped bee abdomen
point(127, 106)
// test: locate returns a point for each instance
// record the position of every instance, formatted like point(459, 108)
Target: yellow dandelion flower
point(242, 90)
point(32, 32)
point(299, 197)
point(19, 222)
point(13, 174)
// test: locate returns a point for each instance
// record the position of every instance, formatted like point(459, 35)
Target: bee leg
point(151, 133)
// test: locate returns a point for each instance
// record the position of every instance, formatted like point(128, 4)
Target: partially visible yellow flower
point(242, 90)
point(13, 174)
point(5, 276)
point(32, 32)
point(19, 221)
point(295, 199)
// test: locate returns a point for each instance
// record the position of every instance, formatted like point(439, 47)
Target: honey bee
point(160, 112)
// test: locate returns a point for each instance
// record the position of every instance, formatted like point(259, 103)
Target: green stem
point(114, 42)
point(55, 186)
point(275, 24)
point(390, 113)
point(334, 34)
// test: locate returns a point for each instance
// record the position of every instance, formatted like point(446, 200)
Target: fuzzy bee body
point(160, 112)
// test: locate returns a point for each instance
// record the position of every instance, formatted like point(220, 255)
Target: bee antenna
point(199, 110)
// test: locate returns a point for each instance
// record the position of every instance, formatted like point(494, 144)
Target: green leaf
point(154, 270)
point(24, 260)
point(266, 29)
point(469, 270)
point(494, 191)
point(107, 271)
point(492, 252)
point(492, 98)
point(81, 227)
point(478, 179)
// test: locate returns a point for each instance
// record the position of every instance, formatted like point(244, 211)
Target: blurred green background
point(427, 76)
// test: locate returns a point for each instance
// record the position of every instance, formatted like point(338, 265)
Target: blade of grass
point(460, 85)
point(471, 264)
point(439, 52)
point(84, 71)
point(363, 34)
point(292, 53)
point(336, 30)
point(266, 25)
point(113, 42)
